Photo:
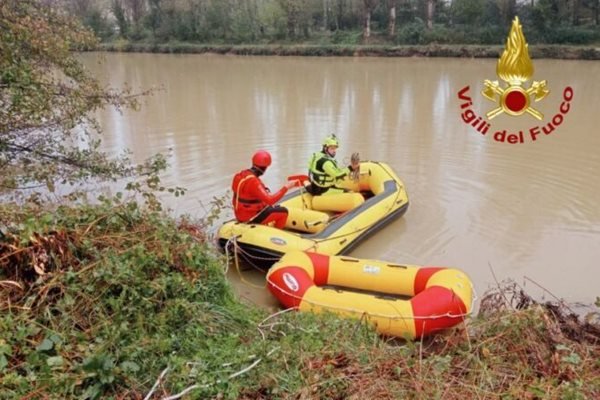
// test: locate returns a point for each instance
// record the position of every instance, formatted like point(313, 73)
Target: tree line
point(339, 21)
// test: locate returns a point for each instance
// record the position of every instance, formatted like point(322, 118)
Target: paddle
point(298, 179)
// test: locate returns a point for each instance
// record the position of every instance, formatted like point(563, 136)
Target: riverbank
point(115, 300)
point(431, 50)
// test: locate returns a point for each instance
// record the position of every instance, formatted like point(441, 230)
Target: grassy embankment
point(97, 301)
point(379, 50)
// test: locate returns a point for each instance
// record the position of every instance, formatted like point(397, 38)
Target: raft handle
point(397, 266)
point(309, 224)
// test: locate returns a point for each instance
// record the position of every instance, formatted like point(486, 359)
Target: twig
point(262, 324)
point(498, 284)
point(561, 301)
point(243, 371)
point(162, 374)
point(183, 392)
point(11, 283)
point(234, 375)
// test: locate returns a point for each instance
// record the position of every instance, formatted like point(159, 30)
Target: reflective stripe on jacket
point(250, 196)
point(323, 170)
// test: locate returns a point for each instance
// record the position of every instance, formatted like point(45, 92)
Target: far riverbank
point(431, 50)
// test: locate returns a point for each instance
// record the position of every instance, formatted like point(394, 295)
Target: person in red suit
point(252, 200)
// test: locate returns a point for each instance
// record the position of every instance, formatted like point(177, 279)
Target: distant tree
point(391, 31)
point(291, 9)
point(508, 10)
point(136, 10)
point(122, 21)
point(92, 16)
point(467, 12)
point(47, 99)
point(368, 7)
point(155, 15)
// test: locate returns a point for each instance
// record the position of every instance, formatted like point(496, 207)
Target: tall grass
point(114, 301)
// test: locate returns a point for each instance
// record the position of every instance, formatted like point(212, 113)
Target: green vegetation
point(431, 50)
point(48, 136)
point(340, 22)
point(97, 301)
point(117, 300)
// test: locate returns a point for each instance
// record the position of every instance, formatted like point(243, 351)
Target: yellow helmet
point(331, 140)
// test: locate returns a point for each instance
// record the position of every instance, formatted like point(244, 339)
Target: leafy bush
point(346, 37)
point(573, 35)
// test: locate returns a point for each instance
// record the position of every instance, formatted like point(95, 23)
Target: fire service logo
point(512, 96)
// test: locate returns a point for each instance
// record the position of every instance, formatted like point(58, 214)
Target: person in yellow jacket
point(323, 170)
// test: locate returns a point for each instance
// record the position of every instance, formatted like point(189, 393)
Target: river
point(496, 210)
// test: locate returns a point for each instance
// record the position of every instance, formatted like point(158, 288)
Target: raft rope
point(236, 250)
point(474, 297)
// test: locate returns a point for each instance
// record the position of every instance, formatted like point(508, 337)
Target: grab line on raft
point(358, 311)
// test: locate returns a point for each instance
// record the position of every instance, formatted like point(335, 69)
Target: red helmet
point(261, 158)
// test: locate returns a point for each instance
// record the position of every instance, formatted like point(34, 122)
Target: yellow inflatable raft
point(375, 199)
point(439, 297)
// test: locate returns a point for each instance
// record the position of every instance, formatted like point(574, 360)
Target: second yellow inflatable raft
point(434, 297)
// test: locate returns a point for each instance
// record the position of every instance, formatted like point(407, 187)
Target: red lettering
point(557, 120)
point(566, 107)
point(548, 129)
point(500, 136)
point(567, 93)
point(461, 94)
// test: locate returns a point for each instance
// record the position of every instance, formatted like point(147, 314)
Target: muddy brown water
point(527, 211)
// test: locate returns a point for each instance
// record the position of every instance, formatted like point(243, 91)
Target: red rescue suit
point(251, 198)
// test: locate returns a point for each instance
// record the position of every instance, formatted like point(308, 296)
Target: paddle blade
point(298, 179)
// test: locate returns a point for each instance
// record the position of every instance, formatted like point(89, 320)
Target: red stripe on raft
point(423, 275)
point(289, 284)
point(430, 305)
point(320, 264)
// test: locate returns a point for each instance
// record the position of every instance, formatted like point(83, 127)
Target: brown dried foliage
point(516, 348)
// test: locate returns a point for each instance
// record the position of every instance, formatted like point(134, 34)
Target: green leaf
point(3, 362)
point(56, 361)
point(5, 349)
point(129, 366)
point(536, 391)
point(572, 358)
point(46, 345)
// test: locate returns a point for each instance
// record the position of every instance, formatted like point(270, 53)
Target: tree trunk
point(368, 6)
point(430, 10)
point(575, 13)
point(392, 23)
point(325, 15)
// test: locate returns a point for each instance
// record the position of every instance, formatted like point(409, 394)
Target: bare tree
point(507, 10)
point(326, 10)
point(392, 18)
point(80, 8)
point(575, 12)
point(368, 7)
point(292, 10)
point(430, 13)
point(136, 9)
